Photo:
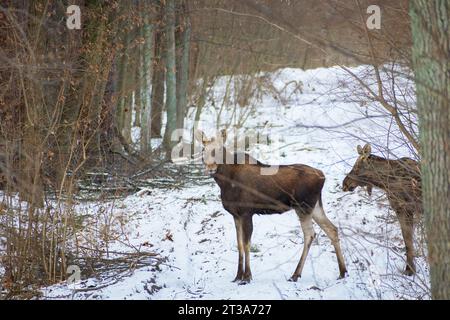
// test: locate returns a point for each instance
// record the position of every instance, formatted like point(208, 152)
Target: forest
point(149, 147)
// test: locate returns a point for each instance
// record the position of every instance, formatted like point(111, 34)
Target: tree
point(431, 44)
point(159, 75)
point(124, 65)
point(145, 72)
point(183, 43)
point(171, 83)
point(158, 78)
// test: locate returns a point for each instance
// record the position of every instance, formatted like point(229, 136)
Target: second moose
point(400, 179)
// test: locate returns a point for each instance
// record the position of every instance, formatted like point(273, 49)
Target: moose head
point(214, 152)
point(362, 168)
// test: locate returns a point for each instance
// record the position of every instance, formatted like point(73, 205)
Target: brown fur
point(244, 189)
point(400, 179)
point(245, 192)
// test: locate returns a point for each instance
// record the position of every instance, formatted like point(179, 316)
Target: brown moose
point(400, 180)
point(245, 191)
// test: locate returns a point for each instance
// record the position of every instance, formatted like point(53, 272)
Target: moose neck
point(380, 174)
point(231, 164)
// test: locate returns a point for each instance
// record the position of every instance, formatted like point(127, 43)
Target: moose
point(244, 191)
point(400, 180)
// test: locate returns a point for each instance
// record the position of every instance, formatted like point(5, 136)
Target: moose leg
point(407, 226)
point(247, 228)
point(308, 234)
point(332, 233)
point(240, 247)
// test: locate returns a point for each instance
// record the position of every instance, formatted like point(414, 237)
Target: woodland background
point(70, 100)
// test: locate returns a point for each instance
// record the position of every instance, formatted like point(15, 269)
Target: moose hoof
point(246, 279)
point(237, 279)
point(343, 274)
point(409, 272)
point(244, 282)
point(294, 278)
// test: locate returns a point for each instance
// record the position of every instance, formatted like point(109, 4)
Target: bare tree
point(430, 30)
point(159, 74)
point(171, 82)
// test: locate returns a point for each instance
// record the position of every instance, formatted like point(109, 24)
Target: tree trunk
point(123, 83)
point(158, 79)
point(171, 83)
point(146, 73)
point(183, 65)
point(129, 78)
point(431, 45)
point(137, 84)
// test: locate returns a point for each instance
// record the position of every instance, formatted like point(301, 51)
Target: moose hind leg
point(240, 247)
point(332, 233)
point(407, 226)
point(308, 234)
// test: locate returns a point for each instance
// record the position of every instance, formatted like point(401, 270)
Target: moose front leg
point(247, 228)
point(240, 247)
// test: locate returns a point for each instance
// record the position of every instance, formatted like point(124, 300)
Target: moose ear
point(367, 149)
point(359, 149)
point(200, 136)
point(223, 135)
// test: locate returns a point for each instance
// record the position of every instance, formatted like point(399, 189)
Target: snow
point(309, 118)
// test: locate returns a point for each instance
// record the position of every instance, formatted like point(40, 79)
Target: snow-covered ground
point(308, 114)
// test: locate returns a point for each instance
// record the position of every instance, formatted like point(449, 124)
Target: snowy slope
point(313, 126)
